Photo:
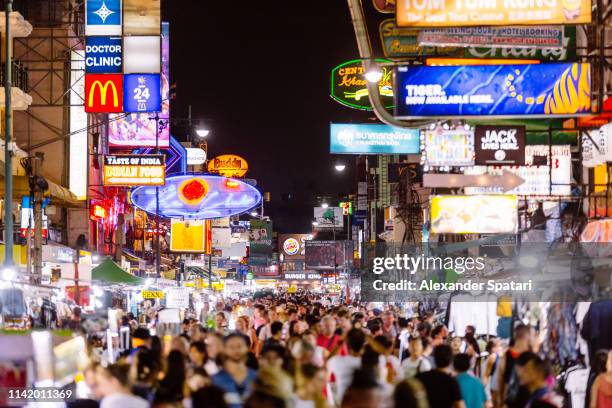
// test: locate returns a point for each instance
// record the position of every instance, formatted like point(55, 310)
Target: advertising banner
point(141, 93)
point(349, 85)
point(260, 237)
point(328, 255)
point(187, 236)
point(372, 139)
point(493, 90)
point(293, 246)
point(221, 238)
point(449, 147)
point(103, 17)
point(228, 165)
point(103, 55)
point(328, 218)
point(141, 54)
point(141, 17)
point(134, 170)
point(27, 218)
point(499, 37)
point(536, 173)
point(103, 93)
point(500, 145)
point(492, 214)
point(454, 13)
point(177, 298)
point(139, 129)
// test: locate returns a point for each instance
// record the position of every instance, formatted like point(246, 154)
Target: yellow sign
point(187, 236)
point(134, 170)
point(218, 286)
point(152, 294)
point(292, 289)
point(459, 13)
point(485, 214)
point(228, 165)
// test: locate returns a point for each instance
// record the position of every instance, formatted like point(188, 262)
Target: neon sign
point(198, 197)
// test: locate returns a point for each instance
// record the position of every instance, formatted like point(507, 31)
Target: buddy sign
point(228, 165)
point(134, 170)
point(458, 13)
point(349, 85)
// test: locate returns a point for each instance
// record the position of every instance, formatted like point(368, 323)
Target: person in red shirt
point(329, 339)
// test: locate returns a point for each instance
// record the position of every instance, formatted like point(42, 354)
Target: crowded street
point(306, 204)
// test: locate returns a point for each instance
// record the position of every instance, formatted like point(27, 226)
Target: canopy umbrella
point(109, 272)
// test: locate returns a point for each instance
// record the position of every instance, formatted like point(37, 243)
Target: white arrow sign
point(507, 181)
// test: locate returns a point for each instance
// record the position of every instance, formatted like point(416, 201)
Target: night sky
point(258, 71)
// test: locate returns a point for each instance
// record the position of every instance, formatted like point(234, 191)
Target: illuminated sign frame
point(130, 170)
point(228, 165)
point(109, 88)
point(481, 214)
point(348, 82)
point(374, 138)
point(223, 197)
point(103, 55)
point(141, 93)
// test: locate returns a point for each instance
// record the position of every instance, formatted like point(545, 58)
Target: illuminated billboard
point(493, 90)
point(141, 17)
point(455, 13)
point(103, 17)
point(139, 129)
point(228, 165)
point(103, 55)
point(187, 236)
point(198, 197)
point(141, 54)
point(141, 93)
point(372, 139)
point(490, 214)
point(449, 147)
point(103, 93)
point(349, 86)
point(134, 170)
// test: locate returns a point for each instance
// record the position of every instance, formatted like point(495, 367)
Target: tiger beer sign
point(103, 93)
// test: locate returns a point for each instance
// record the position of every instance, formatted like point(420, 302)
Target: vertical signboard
point(103, 17)
point(78, 160)
point(103, 55)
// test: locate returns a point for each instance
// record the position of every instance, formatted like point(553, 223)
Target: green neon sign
point(349, 86)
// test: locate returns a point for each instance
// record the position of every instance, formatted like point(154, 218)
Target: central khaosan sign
point(457, 13)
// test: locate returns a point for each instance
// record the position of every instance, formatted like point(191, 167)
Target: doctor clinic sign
point(103, 93)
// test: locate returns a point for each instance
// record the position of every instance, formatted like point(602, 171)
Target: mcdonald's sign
point(103, 93)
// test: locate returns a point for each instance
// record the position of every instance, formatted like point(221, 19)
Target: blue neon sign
point(198, 197)
point(103, 17)
point(141, 93)
point(372, 139)
point(103, 55)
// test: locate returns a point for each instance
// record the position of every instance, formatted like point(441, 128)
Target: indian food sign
point(130, 170)
point(458, 13)
point(350, 87)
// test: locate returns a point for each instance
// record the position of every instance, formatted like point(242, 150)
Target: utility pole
point(157, 249)
point(8, 150)
point(38, 192)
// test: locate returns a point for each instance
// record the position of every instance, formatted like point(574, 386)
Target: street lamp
point(315, 223)
point(254, 214)
point(340, 167)
point(374, 74)
point(324, 205)
point(202, 132)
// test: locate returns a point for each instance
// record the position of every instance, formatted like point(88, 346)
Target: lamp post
point(8, 151)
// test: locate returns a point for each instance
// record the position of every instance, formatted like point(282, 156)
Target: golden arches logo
point(103, 88)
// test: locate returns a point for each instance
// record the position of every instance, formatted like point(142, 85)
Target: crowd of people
point(305, 352)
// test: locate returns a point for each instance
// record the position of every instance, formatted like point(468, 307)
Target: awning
point(109, 272)
point(59, 195)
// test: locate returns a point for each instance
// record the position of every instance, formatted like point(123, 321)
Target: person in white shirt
point(343, 367)
point(416, 363)
point(112, 384)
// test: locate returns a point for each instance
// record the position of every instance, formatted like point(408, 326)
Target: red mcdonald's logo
point(104, 93)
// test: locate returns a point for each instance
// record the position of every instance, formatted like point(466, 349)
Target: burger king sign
point(292, 245)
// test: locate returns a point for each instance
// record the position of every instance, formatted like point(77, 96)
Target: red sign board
point(601, 119)
point(103, 93)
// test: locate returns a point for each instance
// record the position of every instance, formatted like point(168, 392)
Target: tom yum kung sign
point(134, 170)
point(500, 145)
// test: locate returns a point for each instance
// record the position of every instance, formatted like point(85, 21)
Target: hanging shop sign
point(328, 218)
point(497, 37)
point(198, 197)
point(188, 236)
point(134, 170)
point(597, 146)
point(142, 54)
point(384, 6)
point(141, 93)
point(103, 17)
point(103, 93)
point(500, 145)
point(453, 13)
point(372, 139)
point(493, 90)
point(537, 176)
point(141, 129)
point(103, 55)
point(195, 156)
point(260, 237)
point(228, 165)
point(292, 246)
point(349, 85)
point(449, 147)
point(347, 207)
point(141, 17)
point(492, 214)
point(152, 294)
point(27, 218)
